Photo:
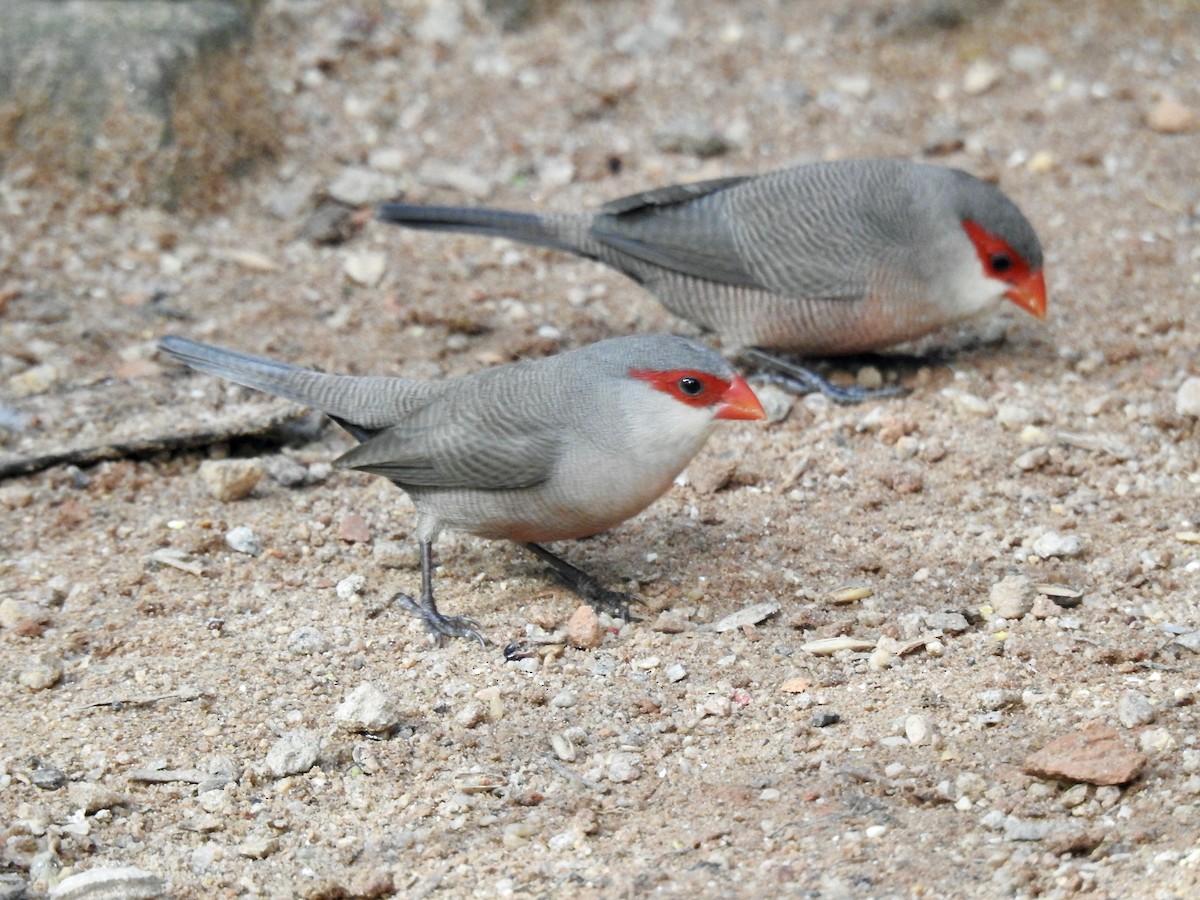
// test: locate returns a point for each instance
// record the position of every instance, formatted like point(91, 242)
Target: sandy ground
point(674, 759)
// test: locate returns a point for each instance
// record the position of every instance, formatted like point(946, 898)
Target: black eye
point(1000, 262)
point(690, 386)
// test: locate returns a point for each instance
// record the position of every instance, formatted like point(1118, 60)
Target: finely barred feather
point(832, 257)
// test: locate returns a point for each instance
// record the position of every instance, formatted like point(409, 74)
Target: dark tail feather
point(527, 228)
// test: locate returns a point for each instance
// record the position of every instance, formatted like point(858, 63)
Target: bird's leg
point(795, 378)
point(438, 625)
point(600, 598)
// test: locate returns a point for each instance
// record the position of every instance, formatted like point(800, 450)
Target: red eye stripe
point(699, 389)
point(992, 250)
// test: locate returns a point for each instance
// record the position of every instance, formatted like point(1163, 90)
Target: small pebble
point(92, 797)
point(471, 713)
point(747, 615)
point(242, 539)
point(48, 778)
point(623, 768)
point(306, 641)
point(1169, 116)
point(230, 479)
point(34, 380)
point(776, 402)
point(359, 186)
point(1156, 740)
point(294, 753)
point(351, 586)
point(1187, 398)
point(996, 698)
point(1074, 796)
point(1014, 416)
point(562, 746)
point(353, 529)
point(980, 77)
point(110, 883)
point(1134, 710)
point(970, 404)
point(919, 731)
point(830, 646)
point(1012, 596)
point(869, 377)
point(40, 673)
point(947, 622)
point(258, 846)
point(1033, 459)
point(365, 268)
point(1055, 545)
point(583, 629)
point(675, 672)
point(1016, 829)
point(13, 612)
point(367, 709)
point(825, 718)
point(284, 470)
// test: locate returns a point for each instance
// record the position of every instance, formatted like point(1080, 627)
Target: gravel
point(167, 649)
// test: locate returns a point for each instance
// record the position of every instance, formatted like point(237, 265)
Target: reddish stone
point(1095, 755)
point(353, 529)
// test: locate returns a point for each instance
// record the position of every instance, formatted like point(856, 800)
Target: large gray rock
point(151, 99)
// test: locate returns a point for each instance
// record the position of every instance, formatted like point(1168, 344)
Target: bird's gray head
point(1006, 245)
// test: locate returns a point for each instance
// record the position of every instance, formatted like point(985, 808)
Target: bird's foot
point(601, 599)
point(800, 380)
point(438, 625)
point(598, 597)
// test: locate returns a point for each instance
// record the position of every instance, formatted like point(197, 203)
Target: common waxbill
point(821, 259)
point(539, 450)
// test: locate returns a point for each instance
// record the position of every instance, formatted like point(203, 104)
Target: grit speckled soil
point(674, 759)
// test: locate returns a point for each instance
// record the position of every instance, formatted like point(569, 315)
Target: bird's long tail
point(370, 402)
point(527, 228)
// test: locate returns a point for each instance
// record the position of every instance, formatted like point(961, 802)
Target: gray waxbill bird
point(539, 450)
point(822, 259)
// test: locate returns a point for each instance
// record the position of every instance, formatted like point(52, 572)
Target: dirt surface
point(674, 759)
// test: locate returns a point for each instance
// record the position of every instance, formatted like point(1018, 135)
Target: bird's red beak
point(1030, 294)
point(740, 402)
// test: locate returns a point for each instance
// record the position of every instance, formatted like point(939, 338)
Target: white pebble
point(1053, 544)
point(124, 882)
point(622, 768)
point(1012, 596)
point(981, 77)
point(306, 641)
point(1187, 399)
point(351, 586)
point(918, 730)
point(359, 186)
point(243, 540)
point(365, 268)
point(970, 404)
point(1156, 740)
point(230, 479)
point(294, 753)
point(1134, 710)
point(367, 709)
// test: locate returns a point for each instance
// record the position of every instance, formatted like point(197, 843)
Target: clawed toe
point(441, 626)
point(615, 603)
